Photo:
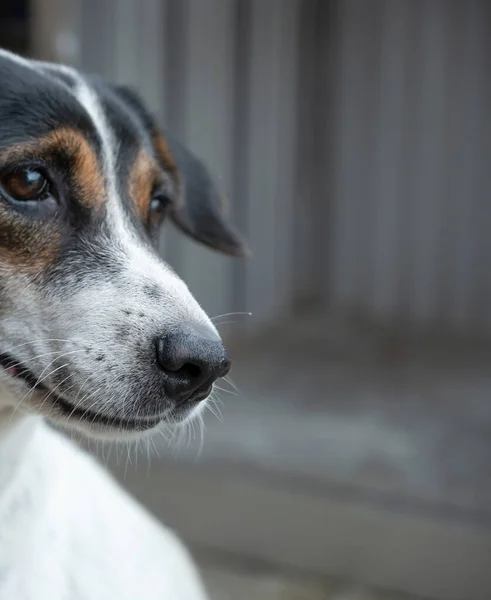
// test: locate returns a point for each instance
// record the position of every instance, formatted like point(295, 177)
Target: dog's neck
point(16, 430)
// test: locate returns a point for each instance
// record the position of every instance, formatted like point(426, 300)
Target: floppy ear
point(201, 213)
point(200, 210)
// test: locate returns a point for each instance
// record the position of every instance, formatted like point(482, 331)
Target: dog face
point(96, 332)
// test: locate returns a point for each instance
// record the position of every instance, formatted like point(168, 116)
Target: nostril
point(187, 371)
point(169, 361)
point(173, 361)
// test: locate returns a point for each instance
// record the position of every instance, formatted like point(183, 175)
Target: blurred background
point(353, 140)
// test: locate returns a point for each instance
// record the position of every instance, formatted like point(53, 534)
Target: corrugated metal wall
point(352, 137)
point(411, 217)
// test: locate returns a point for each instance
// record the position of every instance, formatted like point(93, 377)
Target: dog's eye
point(24, 185)
point(159, 205)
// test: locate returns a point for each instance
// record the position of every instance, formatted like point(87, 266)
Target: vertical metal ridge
point(304, 273)
point(175, 49)
point(176, 35)
point(324, 115)
point(240, 140)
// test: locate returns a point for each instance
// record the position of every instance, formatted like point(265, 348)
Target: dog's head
point(95, 330)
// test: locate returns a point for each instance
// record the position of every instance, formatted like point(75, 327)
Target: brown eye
point(159, 205)
point(25, 185)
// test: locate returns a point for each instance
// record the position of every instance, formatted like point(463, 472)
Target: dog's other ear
point(200, 210)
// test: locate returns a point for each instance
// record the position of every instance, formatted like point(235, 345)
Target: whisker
point(118, 448)
point(40, 341)
point(231, 314)
point(217, 387)
point(38, 381)
point(128, 458)
point(214, 412)
point(136, 453)
point(201, 424)
point(79, 403)
point(70, 387)
point(81, 388)
point(155, 445)
point(190, 432)
point(104, 445)
point(54, 389)
point(19, 363)
point(164, 432)
point(148, 456)
point(214, 405)
point(111, 443)
point(31, 390)
point(225, 322)
point(229, 380)
point(192, 427)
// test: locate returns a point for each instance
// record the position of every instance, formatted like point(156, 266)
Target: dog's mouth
point(19, 371)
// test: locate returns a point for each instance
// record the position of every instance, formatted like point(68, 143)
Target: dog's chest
point(68, 532)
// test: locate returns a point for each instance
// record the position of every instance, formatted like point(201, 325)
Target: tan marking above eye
point(142, 178)
point(164, 155)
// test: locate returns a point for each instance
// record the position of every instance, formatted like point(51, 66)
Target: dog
point(97, 333)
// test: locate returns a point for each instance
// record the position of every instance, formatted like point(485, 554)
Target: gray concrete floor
point(225, 583)
point(233, 579)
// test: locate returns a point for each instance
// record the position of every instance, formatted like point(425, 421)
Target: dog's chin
point(97, 424)
point(104, 432)
point(64, 413)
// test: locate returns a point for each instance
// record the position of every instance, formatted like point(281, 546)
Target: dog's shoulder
point(88, 539)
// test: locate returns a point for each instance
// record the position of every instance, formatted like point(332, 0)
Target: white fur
point(68, 532)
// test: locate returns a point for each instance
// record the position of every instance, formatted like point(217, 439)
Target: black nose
point(192, 358)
